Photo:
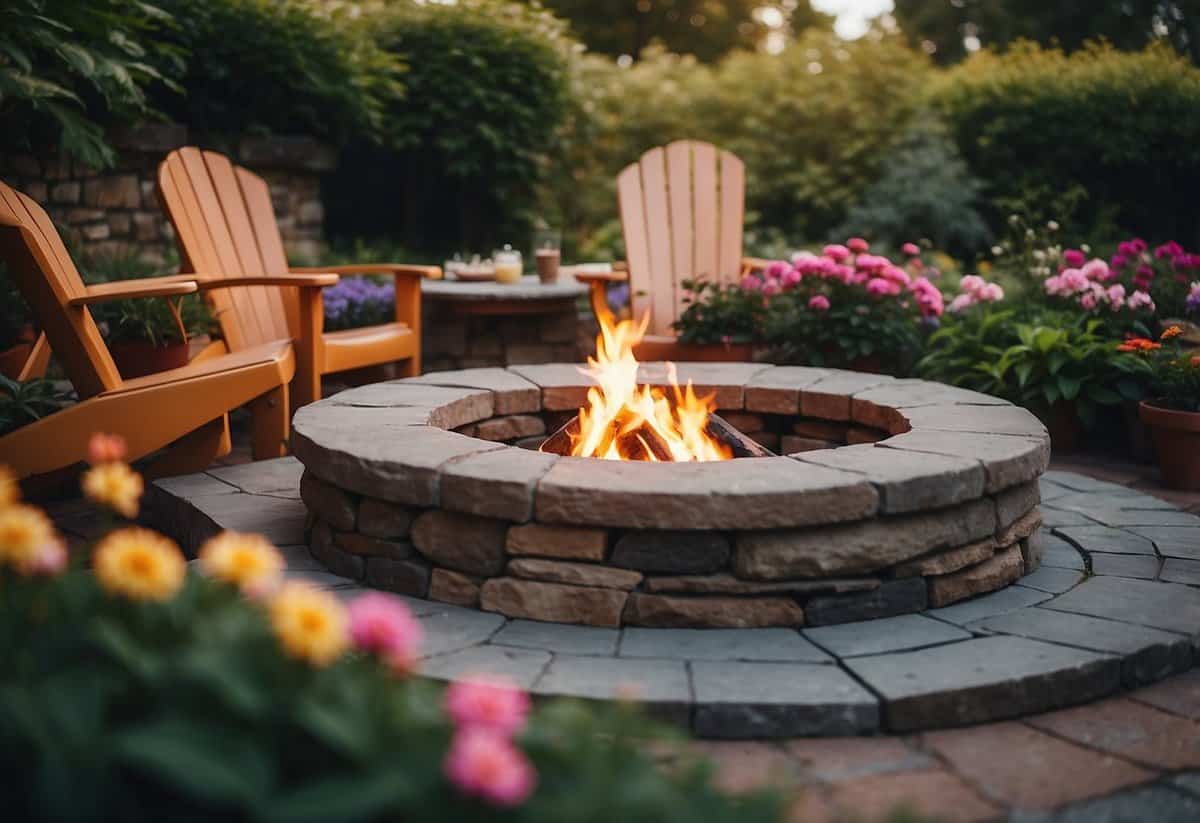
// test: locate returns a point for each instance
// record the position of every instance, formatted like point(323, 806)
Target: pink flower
point(1169, 249)
point(1116, 296)
point(991, 293)
point(971, 284)
point(381, 624)
point(818, 302)
point(961, 302)
point(1118, 261)
point(896, 275)
point(1074, 258)
point(1140, 300)
point(857, 245)
point(50, 559)
point(1088, 301)
point(790, 278)
point(487, 765)
point(911, 249)
point(879, 286)
point(751, 282)
point(1096, 270)
point(776, 269)
point(836, 252)
point(872, 263)
point(771, 288)
point(487, 704)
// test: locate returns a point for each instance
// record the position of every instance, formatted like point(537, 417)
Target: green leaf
point(342, 798)
point(1069, 386)
point(199, 759)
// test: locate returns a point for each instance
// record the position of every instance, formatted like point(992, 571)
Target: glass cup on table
point(508, 265)
point(547, 251)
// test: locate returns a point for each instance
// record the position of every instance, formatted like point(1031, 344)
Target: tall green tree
point(708, 29)
point(942, 26)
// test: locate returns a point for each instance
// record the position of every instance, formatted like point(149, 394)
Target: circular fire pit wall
point(891, 496)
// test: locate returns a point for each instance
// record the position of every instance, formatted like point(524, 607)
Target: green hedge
point(1035, 122)
point(282, 66)
point(465, 147)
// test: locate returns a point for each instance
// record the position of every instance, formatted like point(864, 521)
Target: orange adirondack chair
point(185, 408)
point(682, 208)
point(226, 228)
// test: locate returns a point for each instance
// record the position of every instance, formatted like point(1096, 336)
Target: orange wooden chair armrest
point(753, 264)
point(398, 269)
point(599, 281)
point(318, 278)
point(128, 289)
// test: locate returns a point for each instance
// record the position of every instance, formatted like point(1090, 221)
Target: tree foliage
point(67, 67)
point(942, 25)
point(707, 29)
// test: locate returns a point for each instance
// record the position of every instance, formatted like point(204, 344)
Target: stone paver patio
point(1132, 758)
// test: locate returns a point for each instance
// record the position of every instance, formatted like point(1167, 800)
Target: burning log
point(641, 441)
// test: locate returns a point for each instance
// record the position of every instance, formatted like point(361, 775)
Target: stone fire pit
point(893, 496)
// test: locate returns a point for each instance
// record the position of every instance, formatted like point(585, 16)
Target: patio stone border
point(890, 496)
point(1075, 630)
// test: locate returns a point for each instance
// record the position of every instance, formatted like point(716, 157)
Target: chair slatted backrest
point(39, 264)
point(226, 227)
point(682, 210)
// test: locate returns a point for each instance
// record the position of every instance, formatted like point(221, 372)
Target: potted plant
point(1172, 412)
point(147, 335)
point(16, 331)
point(720, 323)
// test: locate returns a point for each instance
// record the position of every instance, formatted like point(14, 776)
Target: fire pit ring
point(422, 486)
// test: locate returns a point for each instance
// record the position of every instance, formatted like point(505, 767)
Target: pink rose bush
point(1094, 286)
point(975, 290)
point(1164, 273)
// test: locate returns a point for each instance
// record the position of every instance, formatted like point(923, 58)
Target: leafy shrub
point(486, 90)
point(14, 312)
point(142, 689)
point(1122, 126)
point(924, 190)
point(1034, 357)
point(25, 402)
point(716, 314)
point(282, 66)
point(67, 67)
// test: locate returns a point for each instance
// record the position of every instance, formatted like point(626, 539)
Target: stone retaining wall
point(451, 340)
point(115, 212)
point(420, 487)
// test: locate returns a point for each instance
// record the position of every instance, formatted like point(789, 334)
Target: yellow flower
point(10, 489)
point(24, 531)
point(114, 485)
point(248, 561)
point(310, 624)
point(139, 564)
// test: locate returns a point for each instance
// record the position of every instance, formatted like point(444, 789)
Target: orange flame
point(619, 410)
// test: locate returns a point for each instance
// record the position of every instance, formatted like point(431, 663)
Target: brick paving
point(1133, 758)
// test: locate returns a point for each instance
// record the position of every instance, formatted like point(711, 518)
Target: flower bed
point(143, 689)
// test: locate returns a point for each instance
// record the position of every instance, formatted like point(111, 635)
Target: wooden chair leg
point(272, 421)
point(310, 349)
point(193, 452)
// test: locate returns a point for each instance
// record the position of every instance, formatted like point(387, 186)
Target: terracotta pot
point(1137, 435)
point(1063, 425)
point(1176, 436)
point(13, 359)
point(137, 358)
point(715, 352)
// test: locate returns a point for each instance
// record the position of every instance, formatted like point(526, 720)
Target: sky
point(852, 15)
